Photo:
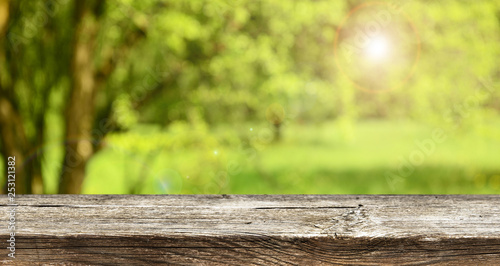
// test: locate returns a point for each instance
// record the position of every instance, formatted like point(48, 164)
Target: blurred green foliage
point(196, 100)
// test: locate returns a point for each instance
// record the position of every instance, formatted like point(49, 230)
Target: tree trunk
point(277, 132)
point(80, 108)
point(12, 135)
point(36, 158)
point(14, 143)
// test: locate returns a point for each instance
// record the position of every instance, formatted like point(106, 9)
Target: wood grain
point(255, 229)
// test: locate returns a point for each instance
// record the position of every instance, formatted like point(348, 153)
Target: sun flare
point(378, 48)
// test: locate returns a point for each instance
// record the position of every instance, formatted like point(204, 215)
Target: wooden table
point(254, 229)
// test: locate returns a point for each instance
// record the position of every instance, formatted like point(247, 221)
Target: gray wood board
point(255, 229)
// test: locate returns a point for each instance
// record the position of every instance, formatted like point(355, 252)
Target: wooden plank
point(255, 229)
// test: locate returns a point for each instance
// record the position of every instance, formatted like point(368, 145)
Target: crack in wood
point(304, 208)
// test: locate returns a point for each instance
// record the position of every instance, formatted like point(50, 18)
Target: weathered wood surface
point(258, 229)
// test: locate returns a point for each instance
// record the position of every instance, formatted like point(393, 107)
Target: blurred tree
point(37, 65)
point(18, 120)
point(84, 88)
point(90, 70)
point(275, 114)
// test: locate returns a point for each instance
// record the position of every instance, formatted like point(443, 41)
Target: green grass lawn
point(309, 159)
point(314, 159)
